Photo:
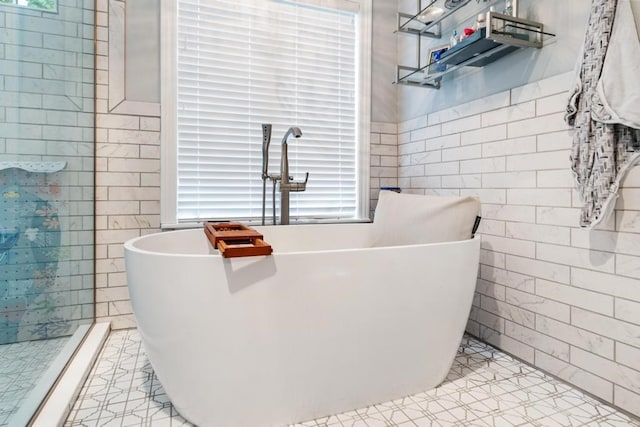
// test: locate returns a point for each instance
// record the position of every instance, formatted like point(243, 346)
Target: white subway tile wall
point(384, 158)
point(562, 298)
point(127, 185)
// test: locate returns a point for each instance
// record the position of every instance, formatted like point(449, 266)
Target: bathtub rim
point(129, 245)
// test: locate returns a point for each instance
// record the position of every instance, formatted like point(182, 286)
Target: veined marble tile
point(551, 86)
point(476, 107)
point(624, 332)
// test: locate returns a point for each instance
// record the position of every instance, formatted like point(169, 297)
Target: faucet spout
point(295, 131)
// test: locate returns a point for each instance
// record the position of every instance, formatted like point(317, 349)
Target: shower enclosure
point(46, 195)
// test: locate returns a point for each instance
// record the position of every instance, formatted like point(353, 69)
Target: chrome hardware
point(287, 185)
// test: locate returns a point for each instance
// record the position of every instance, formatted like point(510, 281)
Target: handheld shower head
point(266, 133)
point(266, 140)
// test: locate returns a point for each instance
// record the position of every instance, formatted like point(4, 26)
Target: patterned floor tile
point(21, 365)
point(485, 388)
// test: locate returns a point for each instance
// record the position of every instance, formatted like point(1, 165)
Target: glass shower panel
point(46, 194)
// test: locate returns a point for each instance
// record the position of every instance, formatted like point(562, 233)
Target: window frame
point(168, 138)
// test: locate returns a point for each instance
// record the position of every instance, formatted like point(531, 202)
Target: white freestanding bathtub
point(322, 326)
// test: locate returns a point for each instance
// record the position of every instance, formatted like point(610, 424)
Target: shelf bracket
point(425, 32)
point(404, 80)
point(500, 34)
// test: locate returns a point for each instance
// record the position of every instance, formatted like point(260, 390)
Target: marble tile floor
point(21, 366)
point(484, 387)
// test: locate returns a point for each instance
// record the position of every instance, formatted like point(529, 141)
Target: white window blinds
point(241, 63)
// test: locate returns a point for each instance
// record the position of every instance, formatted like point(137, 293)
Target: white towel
point(603, 108)
point(618, 87)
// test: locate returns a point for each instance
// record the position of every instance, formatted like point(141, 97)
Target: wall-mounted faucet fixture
point(287, 184)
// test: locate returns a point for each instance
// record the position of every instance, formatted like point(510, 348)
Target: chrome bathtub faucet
point(287, 184)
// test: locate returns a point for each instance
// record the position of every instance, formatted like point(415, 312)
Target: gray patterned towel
point(603, 147)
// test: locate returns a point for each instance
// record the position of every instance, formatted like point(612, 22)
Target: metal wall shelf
point(503, 35)
point(411, 24)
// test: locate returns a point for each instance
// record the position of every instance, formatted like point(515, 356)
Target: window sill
point(188, 225)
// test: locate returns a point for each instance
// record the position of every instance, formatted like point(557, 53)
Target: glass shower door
point(46, 195)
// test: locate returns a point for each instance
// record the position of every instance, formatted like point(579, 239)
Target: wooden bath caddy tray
point(233, 239)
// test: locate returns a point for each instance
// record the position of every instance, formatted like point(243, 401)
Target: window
point(48, 5)
point(241, 63)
